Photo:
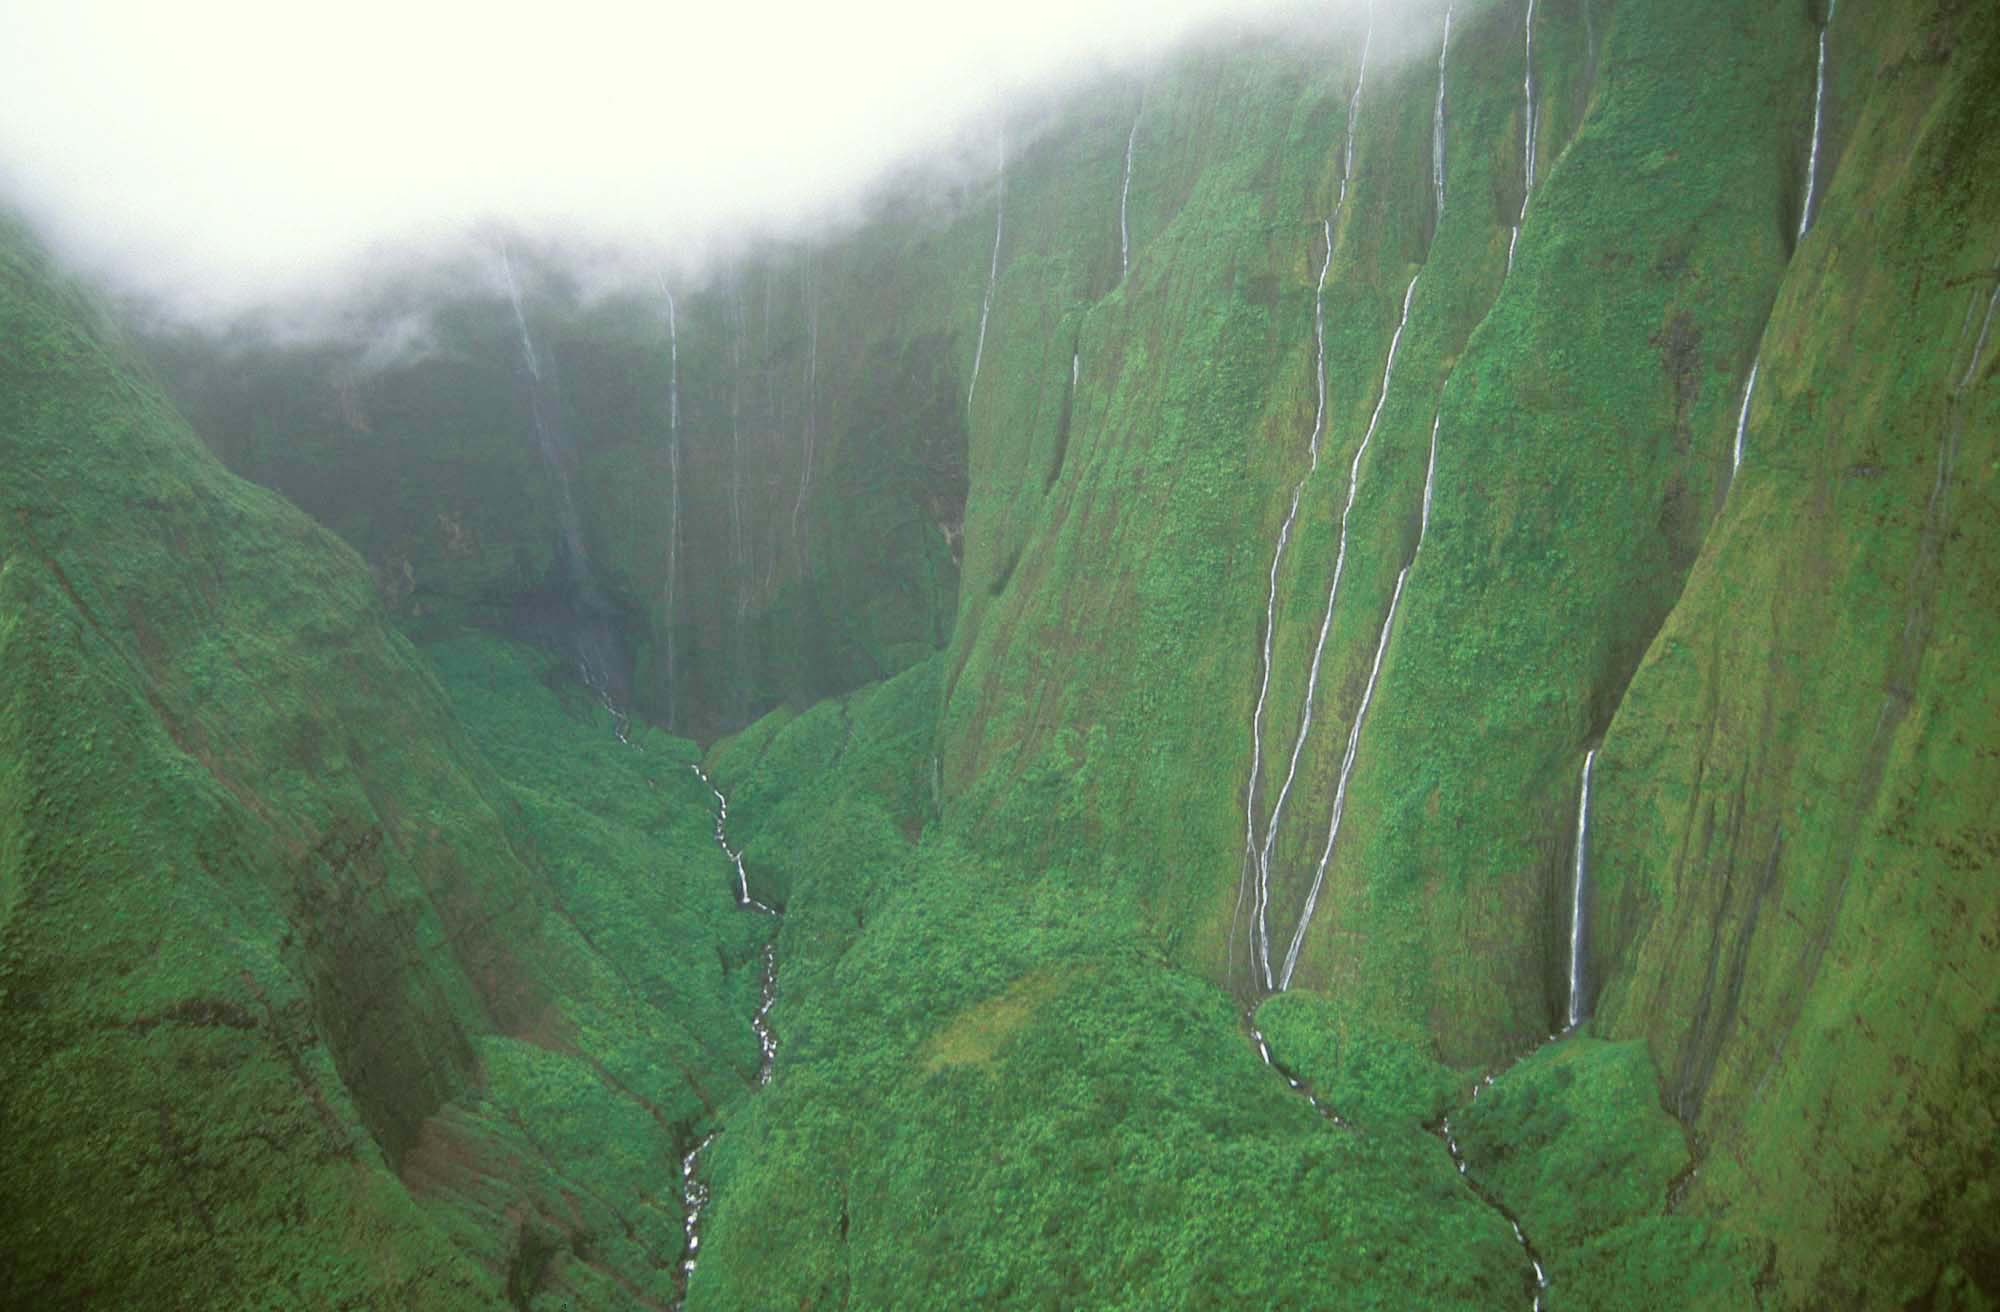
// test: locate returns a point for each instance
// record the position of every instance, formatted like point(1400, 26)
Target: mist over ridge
point(224, 158)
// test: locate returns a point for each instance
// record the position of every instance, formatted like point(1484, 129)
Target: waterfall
point(992, 276)
point(1437, 120)
point(1743, 420)
point(1353, 112)
point(591, 634)
point(1326, 621)
point(1528, 135)
point(1528, 92)
point(1819, 108)
point(1367, 696)
point(1340, 789)
point(1577, 982)
point(1260, 863)
point(1430, 477)
point(550, 441)
point(1257, 872)
point(1125, 195)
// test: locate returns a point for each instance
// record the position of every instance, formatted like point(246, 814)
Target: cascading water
point(992, 276)
point(1297, 1085)
point(1256, 874)
point(1819, 108)
point(1125, 195)
point(1353, 113)
point(1360, 716)
point(1528, 136)
point(1577, 982)
point(1743, 420)
point(548, 438)
point(1437, 120)
point(695, 1193)
point(1319, 647)
point(1340, 788)
point(591, 634)
point(1541, 1277)
point(1256, 862)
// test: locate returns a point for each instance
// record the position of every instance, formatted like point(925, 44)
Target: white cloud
point(228, 152)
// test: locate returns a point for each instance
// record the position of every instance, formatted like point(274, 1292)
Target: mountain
point(1358, 675)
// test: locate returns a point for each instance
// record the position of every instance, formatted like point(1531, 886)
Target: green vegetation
point(1573, 1141)
point(303, 1000)
point(338, 970)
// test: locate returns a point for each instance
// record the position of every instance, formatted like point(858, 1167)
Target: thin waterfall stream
point(992, 276)
point(1805, 226)
point(1437, 122)
point(1819, 114)
point(1255, 865)
point(695, 1192)
point(1125, 196)
point(1319, 651)
point(1578, 984)
point(1528, 135)
point(1536, 1276)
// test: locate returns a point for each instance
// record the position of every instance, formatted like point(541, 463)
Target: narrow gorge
point(1447, 758)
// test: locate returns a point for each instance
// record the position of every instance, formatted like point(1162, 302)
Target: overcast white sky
point(231, 151)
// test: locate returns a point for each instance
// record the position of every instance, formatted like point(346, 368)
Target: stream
point(695, 1193)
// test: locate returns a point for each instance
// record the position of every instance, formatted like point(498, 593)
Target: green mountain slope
point(956, 534)
point(292, 982)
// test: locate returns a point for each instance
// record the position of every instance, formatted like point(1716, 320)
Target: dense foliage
point(341, 971)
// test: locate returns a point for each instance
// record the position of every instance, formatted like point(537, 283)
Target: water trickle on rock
point(1528, 134)
point(1125, 196)
point(1819, 113)
point(695, 1193)
point(1292, 1081)
point(1340, 789)
point(992, 276)
point(1437, 120)
point(1319, 646)
point(1581, 868)
point(1257, 861)
point(1538, 1282)
point(1743, 420)
point(1257, 872)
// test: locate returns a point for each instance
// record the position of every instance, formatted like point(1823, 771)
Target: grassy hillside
point(304, 1001)
point(979, 574)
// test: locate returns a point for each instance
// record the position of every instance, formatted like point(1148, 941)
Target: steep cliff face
point(1254, 498)
point(1766, 612)
point(293, 983)
point(764, 470)
point(1796, 896)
